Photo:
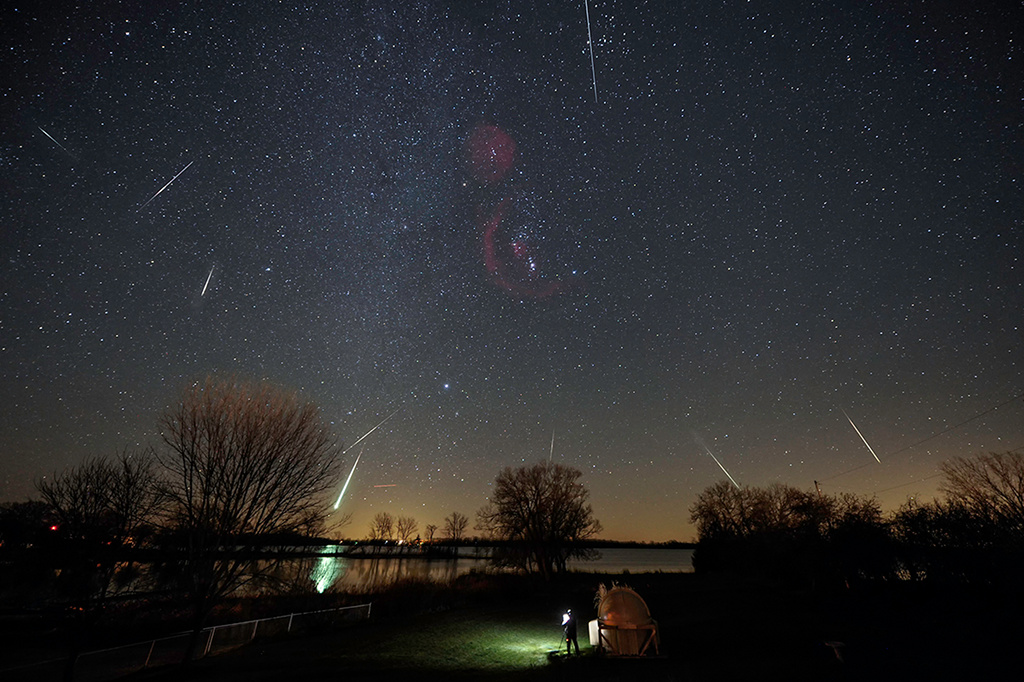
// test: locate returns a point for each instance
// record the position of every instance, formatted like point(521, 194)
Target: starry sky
point(769, 214)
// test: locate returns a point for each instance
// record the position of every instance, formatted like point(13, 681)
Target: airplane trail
point(207, 283)
point(55, 141)
point(345, 487)
point(165, 186)
point(722, 467)
point(590, 42)
point(861, 436)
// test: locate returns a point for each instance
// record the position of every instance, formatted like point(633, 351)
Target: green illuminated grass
point(713, 629)
point(465, 644)
point(462, 641)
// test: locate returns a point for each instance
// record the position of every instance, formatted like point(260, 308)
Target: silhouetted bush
point(788, 536)
point(972, 536)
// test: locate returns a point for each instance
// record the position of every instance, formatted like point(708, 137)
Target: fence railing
point(108, 664)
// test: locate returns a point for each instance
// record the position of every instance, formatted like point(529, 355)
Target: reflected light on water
point(326, 572)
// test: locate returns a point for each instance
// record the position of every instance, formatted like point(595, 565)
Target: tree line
point(405, 529)
point(242, 470)
point(241, 466)
point(973, 533)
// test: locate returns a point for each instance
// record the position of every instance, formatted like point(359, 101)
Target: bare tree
point(788, 533)
point(243, 463)
point(721, 509)
point(430, 530)
point(541, 511)
point(990, 486)
point(455, 526)
point(100, 509)
point(725, 510)
point(382, 527)
point(947, 542)
point(406, 527)
point(24, 524)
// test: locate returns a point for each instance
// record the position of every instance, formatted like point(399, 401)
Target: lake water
point(357, 574)
point(638, 560)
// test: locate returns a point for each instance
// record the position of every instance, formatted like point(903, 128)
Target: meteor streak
point(369, 432)
point(722, 467)
point(345, 487)
point(861, 436)
point(207, 283)
point(55, 141)
point(590, 42)
point(162, 188)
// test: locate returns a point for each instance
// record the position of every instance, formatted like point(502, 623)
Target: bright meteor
point(162, 188)
point(345, 487)
point(54, 140)
point(722, 467)
point(207, 283)
point(358, 440)
point(861, 436)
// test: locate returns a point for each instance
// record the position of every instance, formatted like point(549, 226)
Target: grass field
point(463, 644)
point(710, 630)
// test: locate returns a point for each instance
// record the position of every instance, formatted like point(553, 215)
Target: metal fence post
point(212, 632)
point(209, 641)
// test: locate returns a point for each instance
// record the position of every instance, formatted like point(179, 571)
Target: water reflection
point(331, 571)
point(362, 574)
point(326, 571)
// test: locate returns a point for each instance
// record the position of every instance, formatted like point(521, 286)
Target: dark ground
point(711, 628)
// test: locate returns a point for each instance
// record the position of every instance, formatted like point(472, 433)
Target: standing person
point(569, 628)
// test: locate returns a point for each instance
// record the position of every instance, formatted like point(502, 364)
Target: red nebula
point(512, 238)
point(513, 264)
point(492, 153)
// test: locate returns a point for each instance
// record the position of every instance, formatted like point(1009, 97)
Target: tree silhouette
point(976, 533)
point(406, 527)
point(382, 527)
point(542, 515)
point(243, 462)
point(991, 486)
point(455, 525)
point(789, 534)
point(99, 510)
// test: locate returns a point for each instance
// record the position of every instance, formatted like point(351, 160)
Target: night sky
point(774, 212)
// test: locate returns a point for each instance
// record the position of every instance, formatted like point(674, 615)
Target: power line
point(848, 471)
point(931, 437)
point(903, 485)
point(926, 478)
point(956, 426)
